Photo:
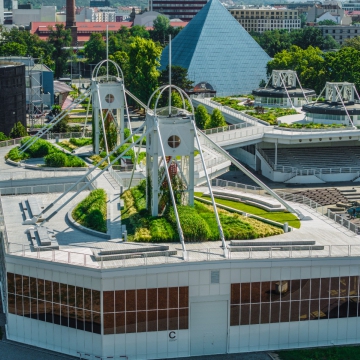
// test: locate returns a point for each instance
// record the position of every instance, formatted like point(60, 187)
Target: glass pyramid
point(216, 49)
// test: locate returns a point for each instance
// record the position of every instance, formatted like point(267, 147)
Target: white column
point(155, 175)
point(96, 131)
point(276, 153)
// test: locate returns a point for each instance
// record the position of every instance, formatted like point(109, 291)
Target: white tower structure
point(284, 78)
point(108, 100)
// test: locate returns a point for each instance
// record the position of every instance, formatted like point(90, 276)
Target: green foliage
point(3, 137)
point(56, 110)
point(309, 64)
point(15, 42)
point(201, 117)
point(310, 125)
point(62, 126)
point(95, 48)
point(216, 120)
point(271, 115)
point(142, 74)
point(18, 131)
point(233, 103)
point(275, 41)
point(15, 155)
point(353, 43)
point(198, 222)
point(193, 225)
point(179, 77)
point(332, 353)
point(92, 211)
point(162, 29)
point(79, 142)
point(55, 160)
point(327, 22)
point(59, 38)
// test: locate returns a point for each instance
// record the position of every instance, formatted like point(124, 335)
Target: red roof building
point(85, 29)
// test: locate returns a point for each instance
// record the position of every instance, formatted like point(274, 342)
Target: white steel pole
point(170, 75)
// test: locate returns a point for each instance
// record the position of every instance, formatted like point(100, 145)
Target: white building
point(25, 16)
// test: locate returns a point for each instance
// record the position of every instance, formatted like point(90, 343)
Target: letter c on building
point(172, 334)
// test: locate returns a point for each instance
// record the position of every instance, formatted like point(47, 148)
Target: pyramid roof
point(216, 49)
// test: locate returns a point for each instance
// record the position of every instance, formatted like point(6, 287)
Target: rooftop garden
point(270, 115)
point(198, 222)
point(281, 216)
point(92, 211)
point(53, 157)
point(233, 102)
point(75, 143)
point(311, 125)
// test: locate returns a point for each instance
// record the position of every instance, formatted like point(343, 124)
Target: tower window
point(109, 98)
point(174, 141)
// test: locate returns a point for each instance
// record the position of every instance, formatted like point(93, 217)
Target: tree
point(330, 43)
point(179, 77)
point(139, 31)
point(95, 48)
point(354, 43)
point(343, 65)
point(142, 76)
point(327, 22)
point(216, 120)
point(61, 126)
point(3, 137)
point(59, 39)
point(18, 131)
point(160, 29)
point(201, 117)
point(309, 65)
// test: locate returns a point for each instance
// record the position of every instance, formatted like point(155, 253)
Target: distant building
point(184, 9)
point(340, 32)
point(329, 10)
point(24, 16)
point(351, 5)
point(263, 19)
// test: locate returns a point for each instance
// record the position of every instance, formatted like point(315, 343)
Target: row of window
point(54, 313)
point(289, 290)
point(341, 31)
point(55, 292)
point(262, 12)
point(329, 117)
point(146, 299)
point(287, 311)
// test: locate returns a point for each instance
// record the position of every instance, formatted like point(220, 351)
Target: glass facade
point(234, 62)
point(145, 310)
point(294, 300)
point(54, 302)
point(329, 117)
point(124, 311)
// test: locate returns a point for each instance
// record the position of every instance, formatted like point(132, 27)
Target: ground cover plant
point(279, 216)
point(233, 102)
point(92, 211)
point(271, 115)
point(311, 125)
point(53, 157)
point(333, 353)
point(198, 222)
point(75, 143)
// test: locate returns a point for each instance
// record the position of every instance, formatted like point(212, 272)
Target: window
point(174, 141)
point(109, 98)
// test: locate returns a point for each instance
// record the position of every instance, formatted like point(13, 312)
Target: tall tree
point(60, 38)
point(95, 48)
point(354, 43)
point(216, 119)
point(142, 76)
point(309, 65)
point(179, 77)
point(201, 117)
point(18, 131)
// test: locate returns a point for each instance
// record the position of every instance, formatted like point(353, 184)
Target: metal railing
point(20, 175)
point(237, 186)
point(226, 128)
point(312, 171)
point(41, 189)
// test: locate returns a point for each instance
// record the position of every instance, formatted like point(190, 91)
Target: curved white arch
point(179, 90)
point(97, 67)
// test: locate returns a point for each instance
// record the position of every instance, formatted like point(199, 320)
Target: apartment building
point(262, 19)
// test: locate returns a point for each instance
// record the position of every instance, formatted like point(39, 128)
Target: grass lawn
point(333, 353)
point(280, 216)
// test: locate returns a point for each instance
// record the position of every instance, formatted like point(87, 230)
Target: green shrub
point(3, 137)
point(92, 211)
point(193, 225)
point(162, 231)
point(79, 142)
point(58, 159)
point(15, 155)
point(74, 161)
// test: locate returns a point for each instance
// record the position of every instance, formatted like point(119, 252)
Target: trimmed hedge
point(198, 223)
point(92, 211)
point(53, 157)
